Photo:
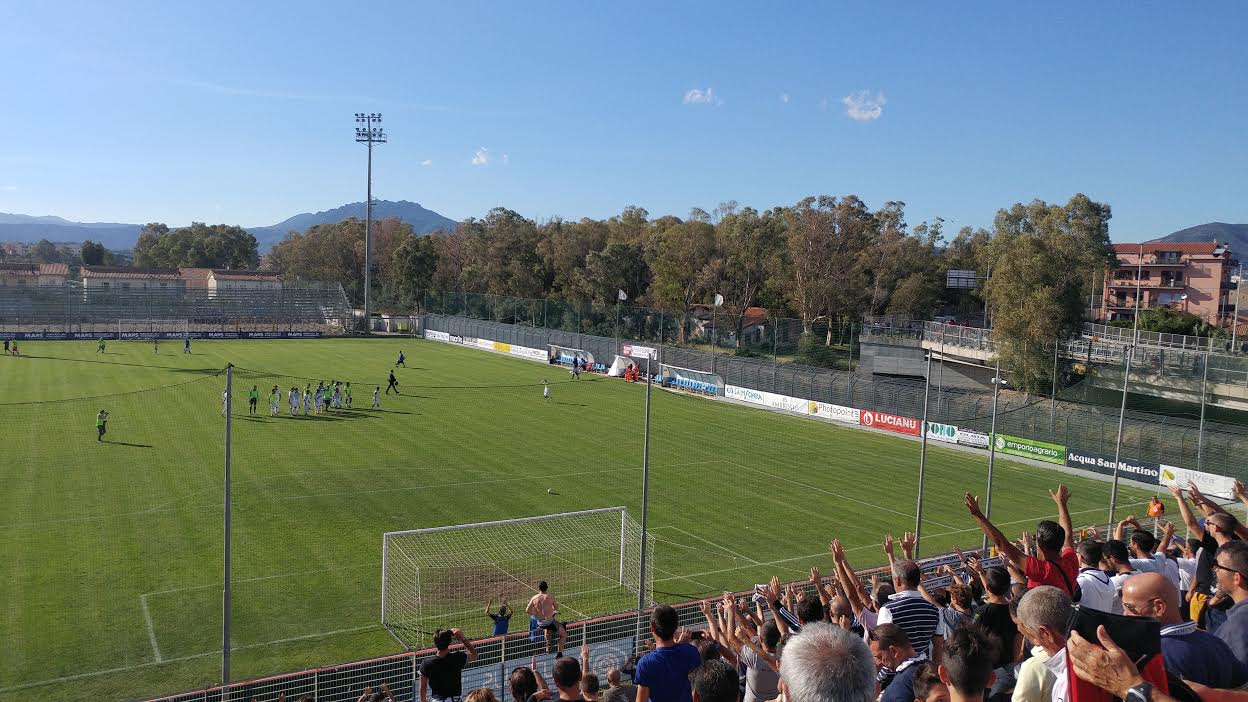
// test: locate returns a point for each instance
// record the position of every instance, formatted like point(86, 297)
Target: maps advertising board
point(970, 437)
point(1027, 448)
point(889, 422)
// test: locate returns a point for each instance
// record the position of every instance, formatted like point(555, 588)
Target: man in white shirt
point(1096, 590)
point(1042, 616)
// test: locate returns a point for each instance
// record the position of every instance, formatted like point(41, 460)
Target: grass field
point(110, 553)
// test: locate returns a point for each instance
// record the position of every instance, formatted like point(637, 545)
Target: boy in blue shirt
point(502, 620)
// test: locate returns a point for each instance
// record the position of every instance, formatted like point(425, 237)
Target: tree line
point(823, 260)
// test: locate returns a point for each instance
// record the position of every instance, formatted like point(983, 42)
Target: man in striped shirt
point(916, 616)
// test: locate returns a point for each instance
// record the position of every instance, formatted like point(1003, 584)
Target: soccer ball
point(550, 491)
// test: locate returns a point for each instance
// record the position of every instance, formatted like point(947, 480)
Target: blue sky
point(242, 112)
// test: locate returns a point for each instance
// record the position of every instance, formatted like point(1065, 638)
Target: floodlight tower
point(368, 134)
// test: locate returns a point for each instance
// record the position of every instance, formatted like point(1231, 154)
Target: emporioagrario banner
point(1028, 448)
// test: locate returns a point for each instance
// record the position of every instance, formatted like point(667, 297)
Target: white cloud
point(482, 157)
point(427, 162)
point(863, 106)
point(506, 160)
point(10, 188)
point(697, 96)
point(784, 97)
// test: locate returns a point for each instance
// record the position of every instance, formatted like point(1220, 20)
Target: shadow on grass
point(177, 369)
point(124, 443)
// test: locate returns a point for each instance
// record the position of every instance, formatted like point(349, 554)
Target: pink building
point(1193, 277)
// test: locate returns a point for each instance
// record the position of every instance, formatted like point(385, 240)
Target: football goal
point(443, 577)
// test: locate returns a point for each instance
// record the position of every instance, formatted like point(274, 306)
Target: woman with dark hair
point(527, 684)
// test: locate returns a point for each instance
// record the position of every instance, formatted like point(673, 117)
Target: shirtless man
point(544, 606)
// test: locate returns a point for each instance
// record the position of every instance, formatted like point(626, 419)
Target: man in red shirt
point(1055, 562)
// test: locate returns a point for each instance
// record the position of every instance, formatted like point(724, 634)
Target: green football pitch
point(111, 552)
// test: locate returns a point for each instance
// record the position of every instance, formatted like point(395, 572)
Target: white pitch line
point(262, 577)
point(725, 549)
point(834, 494)
point(151, 630)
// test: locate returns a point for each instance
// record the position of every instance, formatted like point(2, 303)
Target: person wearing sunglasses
point(1231, 571)
point(1189, 653)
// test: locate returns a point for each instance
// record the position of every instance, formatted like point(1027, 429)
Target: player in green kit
point(100, 347)
point(253, 396)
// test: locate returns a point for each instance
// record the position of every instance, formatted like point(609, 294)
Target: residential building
point(33, 274)
point(125, 278)
point(1194, 277)
point(220, 280)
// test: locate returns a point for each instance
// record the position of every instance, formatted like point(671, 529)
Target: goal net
point(443, 576)
point(141, 328)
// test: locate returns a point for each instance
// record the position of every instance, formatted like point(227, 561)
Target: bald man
point(1190, 653)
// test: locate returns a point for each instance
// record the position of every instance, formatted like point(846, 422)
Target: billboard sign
point(1128, 468)
point(1212, 485)
point(889, 422)
point(1028, 448)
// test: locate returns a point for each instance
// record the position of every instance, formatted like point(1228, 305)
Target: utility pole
point(1238, 279)
point(368, 134)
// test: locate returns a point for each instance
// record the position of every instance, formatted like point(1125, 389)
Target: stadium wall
point(881, 404)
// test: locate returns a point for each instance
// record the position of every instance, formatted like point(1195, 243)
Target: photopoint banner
point(890, 422)
point(1213, 485)
point(1129, 469)
point(942, 432)
point(792, 404)
point(1027, 448)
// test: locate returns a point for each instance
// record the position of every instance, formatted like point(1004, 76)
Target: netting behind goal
point(140, 328)
point(443, 576)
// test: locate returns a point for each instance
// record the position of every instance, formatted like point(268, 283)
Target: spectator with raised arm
point(369, 695)
point(1189, 653)
point(919, 618)
point(762, 668)
point(528, 685)
point(1055, 562)
point(825, 663)
point(663, 674)
point(441, 675)
point(589, 682)
point(1217, 529)
point(994, 617)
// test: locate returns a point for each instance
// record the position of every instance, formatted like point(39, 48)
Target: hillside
point(1234, 234)
point(120, 237)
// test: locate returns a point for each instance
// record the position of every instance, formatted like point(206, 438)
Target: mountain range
point(1234, 234)
point(120, 237)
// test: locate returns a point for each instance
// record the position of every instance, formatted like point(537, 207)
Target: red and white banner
point(889, 422)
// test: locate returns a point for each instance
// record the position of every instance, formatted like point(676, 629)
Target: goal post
point(443, 576)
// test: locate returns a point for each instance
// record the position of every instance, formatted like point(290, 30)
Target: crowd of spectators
point(1143, 615)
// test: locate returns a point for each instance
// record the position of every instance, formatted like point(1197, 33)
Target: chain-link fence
point(296, 306)
point(1084, 413)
